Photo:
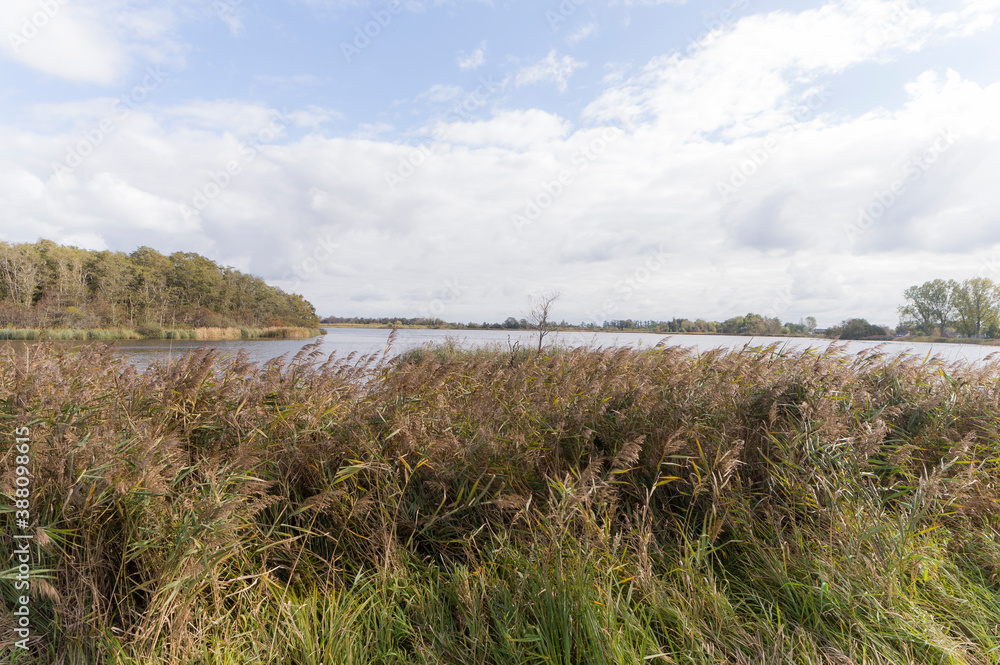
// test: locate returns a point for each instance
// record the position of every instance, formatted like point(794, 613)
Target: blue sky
point(647, 159)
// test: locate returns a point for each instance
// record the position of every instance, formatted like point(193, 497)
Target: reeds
point(239, 333)
point(504, 506)
point(109, 334)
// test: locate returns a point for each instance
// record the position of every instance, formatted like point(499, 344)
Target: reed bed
point(240, 333)
point(504, 506)
point(110, 334)
point(63, 334)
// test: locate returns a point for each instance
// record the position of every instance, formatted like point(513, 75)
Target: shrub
point(150, 331)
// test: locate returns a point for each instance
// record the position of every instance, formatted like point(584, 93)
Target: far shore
point(113, 334)
point(923, 339)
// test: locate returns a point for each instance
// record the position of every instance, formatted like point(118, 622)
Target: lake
point(369, 340)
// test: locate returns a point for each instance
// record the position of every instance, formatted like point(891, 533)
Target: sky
point(647, 159)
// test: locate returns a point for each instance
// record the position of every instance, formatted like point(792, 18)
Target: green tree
point(751, 324)
point(929, 305)
point(858, 329)
point(49, 285)
point(299, 311)
point(21, 272)
point(198, 281)
point(795, 328)
point(976, 305)
point(111, 277)
point(151, 271)
point(65, 283)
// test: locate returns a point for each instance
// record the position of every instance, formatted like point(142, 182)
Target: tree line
point(47, 285)
point(749, 324)
point(970, 308)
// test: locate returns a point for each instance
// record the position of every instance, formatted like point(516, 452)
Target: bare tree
point(538, 314)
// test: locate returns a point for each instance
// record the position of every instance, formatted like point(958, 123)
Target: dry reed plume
point(490, 506)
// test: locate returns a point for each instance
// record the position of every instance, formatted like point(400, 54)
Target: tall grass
point(237, 333)
point(503, 506)
point(109, 334)
point(61, 334)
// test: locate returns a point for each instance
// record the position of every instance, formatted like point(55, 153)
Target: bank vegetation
point(506, 506)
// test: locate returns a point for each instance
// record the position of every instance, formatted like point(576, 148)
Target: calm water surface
point(343, 341)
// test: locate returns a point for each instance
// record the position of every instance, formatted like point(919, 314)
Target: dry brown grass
point(283, 332)
point(195, 494)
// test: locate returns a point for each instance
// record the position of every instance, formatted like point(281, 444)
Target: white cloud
point(581, 33)
point(88, 40)
point(290, 81)
point(314, 116)
point(739, 74)
point(371, 130)
point(691, 120)
point(475, 59)
point(515, 129)
point(69, 42)
point(784, 229)
point(84, 240)
point(115, 201)
point(551, 69)
point(439, 93)
point(647, 3)
point(230, 13)
point(238, 118)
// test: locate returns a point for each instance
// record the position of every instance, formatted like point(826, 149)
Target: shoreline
point(117, 334)
point(922, 339)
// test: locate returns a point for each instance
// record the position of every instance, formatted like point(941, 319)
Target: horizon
point(650, 159)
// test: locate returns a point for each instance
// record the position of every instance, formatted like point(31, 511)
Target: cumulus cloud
point(738, 74)
point(474, 60)
point(87, 40)
point(634, 3)
point(581, 33)
point(734, 162)
point(514, 129)
point(550, 69)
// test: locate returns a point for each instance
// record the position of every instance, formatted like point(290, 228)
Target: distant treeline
point(749, 324)
point(945, 308)
point(46, 285)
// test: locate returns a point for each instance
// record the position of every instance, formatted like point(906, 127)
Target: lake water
point(368, 340)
